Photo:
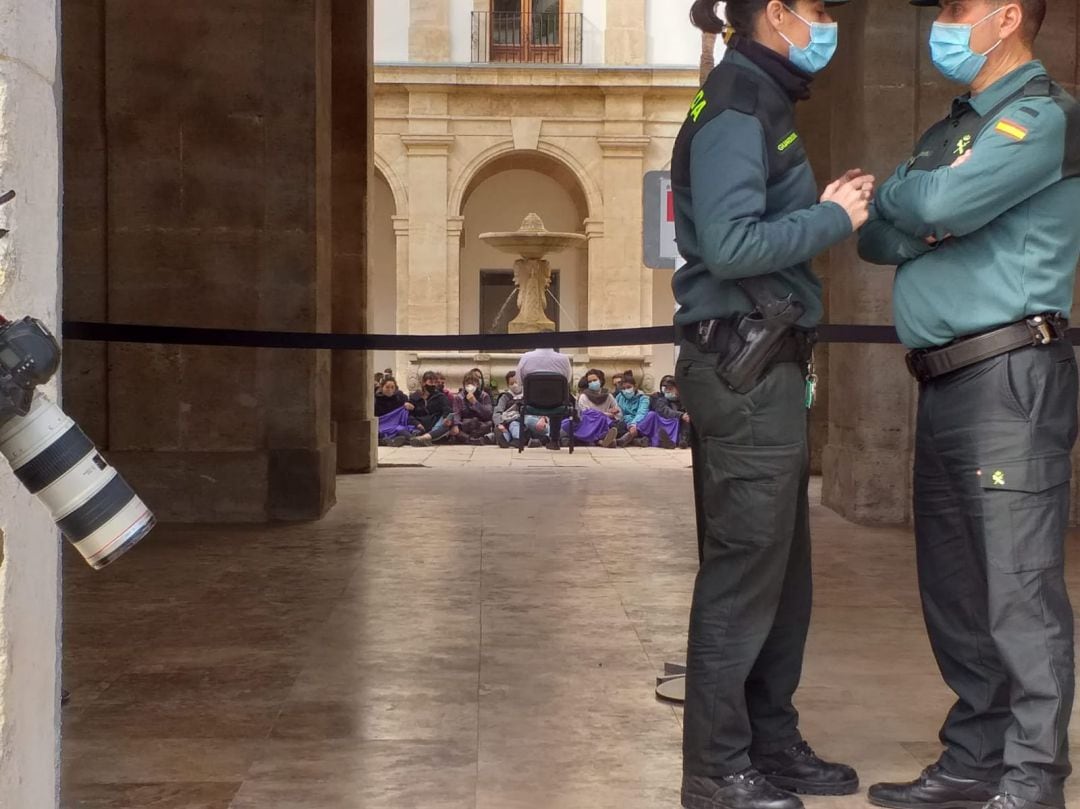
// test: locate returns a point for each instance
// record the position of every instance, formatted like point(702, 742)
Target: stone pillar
point(624, 39)
point(455, 225)
point(428, 237)
point(429, 30)
point(210, 203)
point(29, 285)
point(401, 264)
point(875, 118)
point(620, 288)
point(353, 177)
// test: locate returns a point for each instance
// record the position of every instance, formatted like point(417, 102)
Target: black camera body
point(29, 357)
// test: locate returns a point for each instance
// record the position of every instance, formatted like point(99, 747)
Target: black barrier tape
point(239, 338)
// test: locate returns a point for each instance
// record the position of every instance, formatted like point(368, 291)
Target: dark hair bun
point(703, 16)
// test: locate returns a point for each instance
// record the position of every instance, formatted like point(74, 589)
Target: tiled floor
point(472, 630)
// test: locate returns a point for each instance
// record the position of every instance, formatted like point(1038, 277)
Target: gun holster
point(759, 337)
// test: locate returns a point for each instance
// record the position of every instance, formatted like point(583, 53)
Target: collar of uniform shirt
point(997, 92)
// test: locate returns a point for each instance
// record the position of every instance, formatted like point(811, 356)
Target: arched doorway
point(498, 198)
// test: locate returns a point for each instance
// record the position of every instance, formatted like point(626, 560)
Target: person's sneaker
point(535, 443)
point(798, 769)
point(399, 441)
point(564, 441)
point(684, 442)
point(934, 789)
point(665, 440)
point(625, 440)
point(608, 441)
point(421, 441)
point(476, 442)
point(514, 444)
point(642, 443)
point(502, 438)
point(745, 790)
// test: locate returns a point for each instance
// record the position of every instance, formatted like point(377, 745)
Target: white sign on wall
point(661, 251)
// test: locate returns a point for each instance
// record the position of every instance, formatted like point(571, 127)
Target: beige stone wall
point(29, 285)
point(441, 131)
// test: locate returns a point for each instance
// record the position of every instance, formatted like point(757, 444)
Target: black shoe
point(625, 440)
point(665, 440)
point(399, 441)
point(936, 789)
point(798, 769)
point(553, 445)
point(535, 443)
point(744, 790)
point(1012, 802)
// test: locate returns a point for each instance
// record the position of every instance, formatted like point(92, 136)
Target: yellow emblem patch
point(998, 478)
point(1011, 129)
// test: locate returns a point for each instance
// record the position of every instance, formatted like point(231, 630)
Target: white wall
point(594, 23)
point(391, 31)
point(461, 31)
point(29, 284)
point(501, 203)
point(672, 40)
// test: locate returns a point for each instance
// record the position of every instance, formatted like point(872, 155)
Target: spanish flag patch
point(1011, 129)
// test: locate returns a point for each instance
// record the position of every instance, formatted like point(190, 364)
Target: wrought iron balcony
point(531, 38)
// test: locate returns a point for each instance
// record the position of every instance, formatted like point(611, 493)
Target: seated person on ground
point(644, 427)
point(432, 411)
point(473, 412)
point(667, 404)
point(393, 410)
point(508, 413)
point(601, 418)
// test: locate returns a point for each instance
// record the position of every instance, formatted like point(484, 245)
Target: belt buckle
point(1043, 330)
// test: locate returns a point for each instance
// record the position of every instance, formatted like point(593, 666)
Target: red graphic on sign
point(670, 205)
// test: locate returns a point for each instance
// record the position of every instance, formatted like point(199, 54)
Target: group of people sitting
point(622, 415)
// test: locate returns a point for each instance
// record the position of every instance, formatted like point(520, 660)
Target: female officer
point(749, 222)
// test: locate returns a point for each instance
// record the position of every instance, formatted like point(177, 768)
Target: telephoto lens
point(94, 508)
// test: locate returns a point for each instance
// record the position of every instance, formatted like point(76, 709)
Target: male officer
point(982, 222)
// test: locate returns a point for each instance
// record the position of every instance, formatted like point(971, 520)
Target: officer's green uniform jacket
point(734, 219)
point(1008, 219)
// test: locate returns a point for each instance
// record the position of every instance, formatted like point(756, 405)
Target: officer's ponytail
point(703, 16)
point(741, 15)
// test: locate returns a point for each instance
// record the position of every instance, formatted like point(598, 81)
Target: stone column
point(875, 118)
point(428, 237)
point(620, 291)
point(455, 225)
point(401, 265)
point(624, 39)
point(29, 285)
point(353, 177)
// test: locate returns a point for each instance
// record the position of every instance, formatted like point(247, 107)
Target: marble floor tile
point(482, 632)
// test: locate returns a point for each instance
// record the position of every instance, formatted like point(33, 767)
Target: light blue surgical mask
point(671, 397)
point(595, 386)
point(951, 53)
point(824, 38)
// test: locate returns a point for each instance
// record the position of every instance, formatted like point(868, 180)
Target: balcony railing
point(534, 38)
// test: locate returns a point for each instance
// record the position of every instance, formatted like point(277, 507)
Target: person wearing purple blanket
point(394, 412)
point(667, 404)
point(599, 415)
point(645, 428)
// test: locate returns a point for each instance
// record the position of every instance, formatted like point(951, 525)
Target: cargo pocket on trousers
point(751, 492)
point(1026, 512)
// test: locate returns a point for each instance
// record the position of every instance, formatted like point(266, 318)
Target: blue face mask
point(671, 397)
point(951, 53)
point(629, 392)
point(595, 386)
point(824, 38)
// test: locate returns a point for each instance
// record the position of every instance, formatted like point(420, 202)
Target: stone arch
point(400, 192)
point(487, 163)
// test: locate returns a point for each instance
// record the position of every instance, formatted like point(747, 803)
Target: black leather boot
point(798, 769)
point(934, 789)
point(745, 790)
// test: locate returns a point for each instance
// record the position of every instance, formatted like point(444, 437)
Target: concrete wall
point(29, 285)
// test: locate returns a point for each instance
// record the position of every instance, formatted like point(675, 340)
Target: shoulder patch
point(787, 142)
point(1011, 129)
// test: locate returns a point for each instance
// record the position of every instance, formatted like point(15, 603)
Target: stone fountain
point(532, 272)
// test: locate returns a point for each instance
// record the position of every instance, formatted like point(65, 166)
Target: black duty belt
point(1039, 330)
point(719, 336)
